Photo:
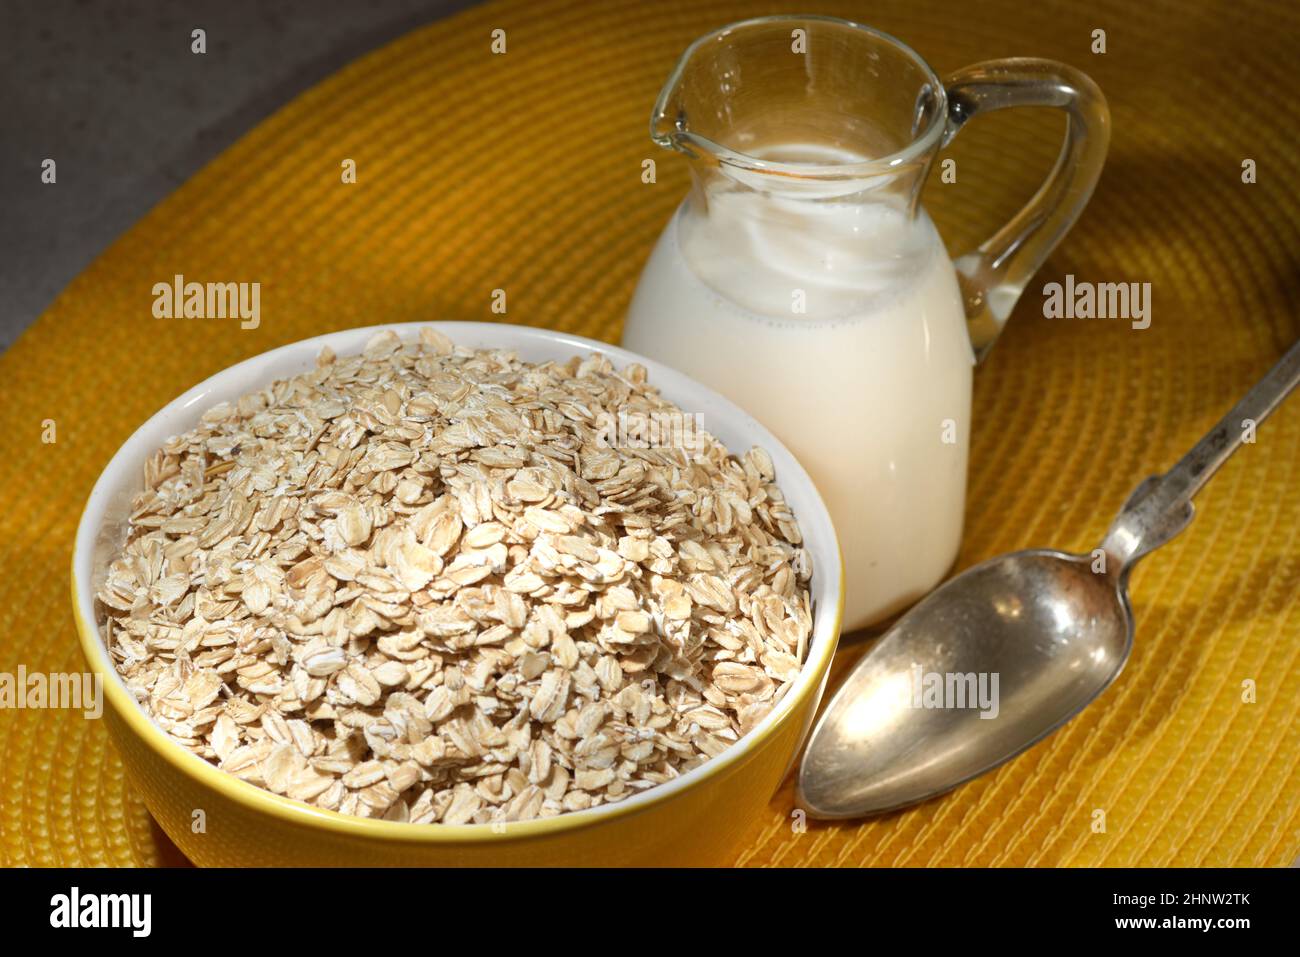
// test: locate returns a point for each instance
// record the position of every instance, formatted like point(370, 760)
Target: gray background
point(111, 92)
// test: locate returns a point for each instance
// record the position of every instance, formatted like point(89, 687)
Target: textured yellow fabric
point(523, 172)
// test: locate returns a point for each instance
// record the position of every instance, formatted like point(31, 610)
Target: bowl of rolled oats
point(456, 593)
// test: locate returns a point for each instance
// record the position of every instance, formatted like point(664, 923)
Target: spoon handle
point(1161, 506)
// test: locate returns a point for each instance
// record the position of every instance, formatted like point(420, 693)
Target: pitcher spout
point(803, 100)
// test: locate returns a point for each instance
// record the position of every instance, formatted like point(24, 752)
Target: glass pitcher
point(802, 278)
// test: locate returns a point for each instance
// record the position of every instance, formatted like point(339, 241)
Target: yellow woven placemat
point(523, 172)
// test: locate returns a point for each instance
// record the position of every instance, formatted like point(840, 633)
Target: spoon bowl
point(975, 673)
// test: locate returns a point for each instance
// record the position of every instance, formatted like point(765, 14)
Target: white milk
point(869, 385)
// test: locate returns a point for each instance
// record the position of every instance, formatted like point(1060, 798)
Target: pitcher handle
point(994, 275)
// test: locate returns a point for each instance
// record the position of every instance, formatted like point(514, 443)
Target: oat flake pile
point(420, 584)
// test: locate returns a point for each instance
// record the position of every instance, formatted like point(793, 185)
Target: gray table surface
point(112, 93)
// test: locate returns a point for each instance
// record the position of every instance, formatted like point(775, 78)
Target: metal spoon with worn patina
point(1005, 653)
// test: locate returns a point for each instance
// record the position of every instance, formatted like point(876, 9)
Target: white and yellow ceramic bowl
point(695, 819)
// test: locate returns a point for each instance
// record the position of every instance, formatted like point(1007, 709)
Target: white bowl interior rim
point(738, 430)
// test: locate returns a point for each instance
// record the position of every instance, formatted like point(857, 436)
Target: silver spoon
point(1006, 652)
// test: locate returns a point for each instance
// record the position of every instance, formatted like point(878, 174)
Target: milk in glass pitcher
point(802, 278)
